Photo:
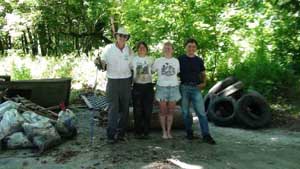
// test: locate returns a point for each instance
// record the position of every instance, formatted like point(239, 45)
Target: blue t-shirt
point(190, 69)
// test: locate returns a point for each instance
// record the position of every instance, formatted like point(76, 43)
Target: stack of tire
point(228, 103)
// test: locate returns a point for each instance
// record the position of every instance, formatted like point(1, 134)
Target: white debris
point(67, 123)
point(43, 134)
point(7, 106)
point(17, 140)
point(31, 117)
point(12, 122)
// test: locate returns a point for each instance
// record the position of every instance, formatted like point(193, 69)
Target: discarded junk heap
point(24, 124)
point(229, 103)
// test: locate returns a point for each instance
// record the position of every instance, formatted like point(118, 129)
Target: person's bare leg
point(162, 118)
point(171, 108)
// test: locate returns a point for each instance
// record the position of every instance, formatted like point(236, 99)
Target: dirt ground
point(235, 149)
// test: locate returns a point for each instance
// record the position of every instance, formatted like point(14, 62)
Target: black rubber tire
point(220, 85)
point(222, 111)
point(208, 99)
point(253, 111)
point(235, 90)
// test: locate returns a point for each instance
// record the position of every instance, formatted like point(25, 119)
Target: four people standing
point(119, 62)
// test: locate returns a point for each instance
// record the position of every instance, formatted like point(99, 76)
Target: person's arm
point(178, 66)
point(202, 76)
point(130, 52)
point(151, 62)
point(203, 80)
point(154, 66)
point(131, 58)
point(100, 64)
point(101, 60)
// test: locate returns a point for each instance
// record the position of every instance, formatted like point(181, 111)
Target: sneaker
point(121, 137)
point(190, 135)
point(111, 141)
point(146, 136)
point(138, 136)
point(208, 139)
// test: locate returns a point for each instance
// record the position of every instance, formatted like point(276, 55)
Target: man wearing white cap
point(116, 58)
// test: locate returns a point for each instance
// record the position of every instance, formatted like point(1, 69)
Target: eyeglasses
point(123, 36)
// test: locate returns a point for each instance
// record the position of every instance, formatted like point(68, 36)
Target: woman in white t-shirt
point(142, 93)
point(167, 88)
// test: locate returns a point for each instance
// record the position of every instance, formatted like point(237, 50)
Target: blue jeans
point(192, 94)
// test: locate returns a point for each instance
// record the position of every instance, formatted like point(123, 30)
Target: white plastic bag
point(66, 123)
point(8, 105)
point(42, 134)
point(12, 122)
point(17, 140)
point(31, 117)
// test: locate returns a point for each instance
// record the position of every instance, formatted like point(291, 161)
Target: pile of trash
point(24, 128)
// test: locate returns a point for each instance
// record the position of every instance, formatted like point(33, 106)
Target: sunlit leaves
point(235, 37)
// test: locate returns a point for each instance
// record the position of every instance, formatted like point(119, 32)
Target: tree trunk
point(35, 47)
point(1, 46)
point(32, 42)
point(56, 43)
point(42, 39)
point(8, 40)
point(23, 43)
point(26, 48)
point(49, 43)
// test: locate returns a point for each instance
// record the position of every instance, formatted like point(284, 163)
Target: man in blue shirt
point(193, 79)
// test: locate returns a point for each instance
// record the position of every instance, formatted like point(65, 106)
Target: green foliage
point(75, 96)
point(65, 70)
point(22, 73)
point(258, 41)
point(60, 67)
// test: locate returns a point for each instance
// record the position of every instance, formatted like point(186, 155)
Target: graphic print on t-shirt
point(167, 70)
point(142, 71)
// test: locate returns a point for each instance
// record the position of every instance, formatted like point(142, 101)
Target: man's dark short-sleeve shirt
point(190, 69)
